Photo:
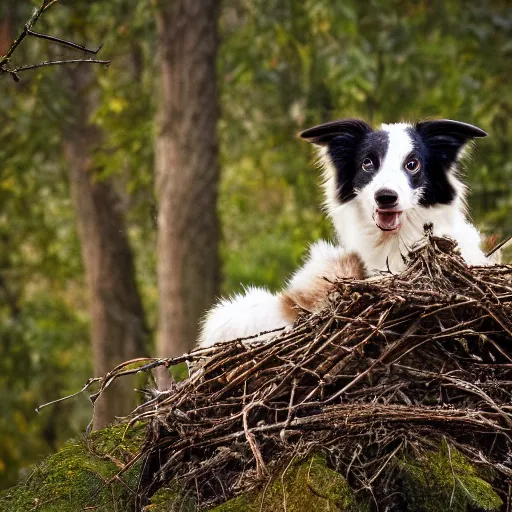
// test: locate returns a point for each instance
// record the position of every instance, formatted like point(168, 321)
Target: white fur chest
point(383, 251)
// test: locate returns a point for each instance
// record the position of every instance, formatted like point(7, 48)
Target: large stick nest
point(393, 365)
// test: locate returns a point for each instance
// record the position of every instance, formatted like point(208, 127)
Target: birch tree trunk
point(187, 170)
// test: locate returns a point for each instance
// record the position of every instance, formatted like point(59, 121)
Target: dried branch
point(502, 245)
point(28, 32)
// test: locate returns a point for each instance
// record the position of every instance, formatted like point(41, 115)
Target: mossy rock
point(79, 475)
point(82, 474)
point(303, 487)
point(445, 480)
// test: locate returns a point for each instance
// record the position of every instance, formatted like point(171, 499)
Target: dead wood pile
point(392, 366)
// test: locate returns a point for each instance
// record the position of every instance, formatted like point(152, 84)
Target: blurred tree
point(186, 170)
point(44, 344)
point(6, 29)
point(43, 336)
point(118, 325)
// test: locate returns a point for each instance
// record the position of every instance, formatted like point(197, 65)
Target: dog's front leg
point(310, 285)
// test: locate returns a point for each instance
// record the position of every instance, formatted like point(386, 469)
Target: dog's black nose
point(386, 198)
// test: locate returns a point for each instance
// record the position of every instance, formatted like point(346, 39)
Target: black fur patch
point(347, 155)
point(436, 160)
point(343, 139)
point(438, 144)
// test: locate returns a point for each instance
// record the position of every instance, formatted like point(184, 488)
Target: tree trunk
point(118, 326)
point(187, 170)
point(6, 38)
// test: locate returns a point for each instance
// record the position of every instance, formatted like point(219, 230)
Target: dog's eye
point(367, 165)
point(413, 165)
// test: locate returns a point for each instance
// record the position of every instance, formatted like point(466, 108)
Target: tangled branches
point(27, 31)
point(394, 365)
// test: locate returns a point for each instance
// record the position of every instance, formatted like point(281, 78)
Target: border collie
point(381, 187)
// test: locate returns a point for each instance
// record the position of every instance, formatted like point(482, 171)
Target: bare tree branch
point(63, 42)
point(27, 31)
point(58, 63)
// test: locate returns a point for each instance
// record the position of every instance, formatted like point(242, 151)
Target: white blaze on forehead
point(400, 145)
point(391, 173)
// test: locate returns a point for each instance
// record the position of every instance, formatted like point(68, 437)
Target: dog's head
point(392, 170)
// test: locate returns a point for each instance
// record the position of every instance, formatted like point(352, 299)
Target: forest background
point(79, 165)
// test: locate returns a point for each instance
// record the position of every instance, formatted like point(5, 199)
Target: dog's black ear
point(445, 140)
point(449, 131)
point(324, 133)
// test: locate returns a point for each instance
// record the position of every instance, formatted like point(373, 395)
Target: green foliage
point(43, 333)
point(445, 480)
point(44, 348)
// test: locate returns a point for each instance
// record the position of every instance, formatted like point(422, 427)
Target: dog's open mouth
point(387, 220)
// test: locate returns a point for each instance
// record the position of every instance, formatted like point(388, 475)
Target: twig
point(28, 32)
point(86, 386)
point(502, 244)
point(260, 465)
point(58, 63)
point(63, 42)
point(453, 473)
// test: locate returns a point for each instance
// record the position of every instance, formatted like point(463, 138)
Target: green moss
point(79, 476)
point(236, 505)
point(445, 480)
point(171, 500)
point(303, 487)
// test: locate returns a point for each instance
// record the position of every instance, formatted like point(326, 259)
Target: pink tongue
point(388, 221)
